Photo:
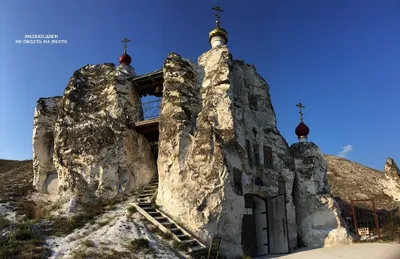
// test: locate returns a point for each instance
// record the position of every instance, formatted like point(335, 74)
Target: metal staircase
point(166, 224)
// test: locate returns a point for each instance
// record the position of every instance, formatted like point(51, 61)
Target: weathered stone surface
point(318, 215)
point(43, 143)
point(209, 132)
point(95, 151)
point(391, 167)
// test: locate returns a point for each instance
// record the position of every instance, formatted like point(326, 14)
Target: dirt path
point(354, 251)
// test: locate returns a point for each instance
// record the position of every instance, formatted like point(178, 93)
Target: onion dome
point(125, 59)
point(302, 131)
point(218, 36)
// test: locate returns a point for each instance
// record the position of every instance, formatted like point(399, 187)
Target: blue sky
point(341, 59)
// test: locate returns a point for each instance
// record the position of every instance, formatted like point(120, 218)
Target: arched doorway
point(264, 226)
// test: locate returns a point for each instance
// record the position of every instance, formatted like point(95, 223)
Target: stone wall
point(217, 127)
point(318, 215)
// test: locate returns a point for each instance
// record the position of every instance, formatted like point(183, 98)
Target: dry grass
point(23, 240)
point(16, 185)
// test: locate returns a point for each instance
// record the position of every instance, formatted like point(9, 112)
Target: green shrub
point(139, 244)
point(179, 246)
point(167, 236)
point(23, 242)
point(131, 209)
point(4, 223)
point(89, 243)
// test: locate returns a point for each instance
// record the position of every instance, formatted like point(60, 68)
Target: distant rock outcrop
point(349, 181)
point(391, 167)
point(319, 218)
point(218, 142)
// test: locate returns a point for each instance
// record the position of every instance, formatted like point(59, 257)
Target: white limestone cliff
point(45, 175)
point(217, 127)
point(96, 153)
point(318, 215)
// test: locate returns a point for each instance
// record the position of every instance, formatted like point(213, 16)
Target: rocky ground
point(31, 227)
point(355, 251)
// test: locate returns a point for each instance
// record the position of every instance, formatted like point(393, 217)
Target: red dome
point(302, 130)
point(125, 58)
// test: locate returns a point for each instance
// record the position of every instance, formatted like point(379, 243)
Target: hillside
point(32, 227)
point(16, 186)
point(349, 181)
point(116, 230)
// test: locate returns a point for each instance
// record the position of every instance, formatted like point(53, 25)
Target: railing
point(150, 109)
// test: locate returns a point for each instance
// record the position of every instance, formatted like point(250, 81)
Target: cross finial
point(217, 9)
point(125, 46)
point(301, 106)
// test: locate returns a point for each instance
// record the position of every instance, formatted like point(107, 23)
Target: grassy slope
point(15, 184)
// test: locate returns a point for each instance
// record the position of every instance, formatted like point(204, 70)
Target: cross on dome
point(300, 105)
point(217, 9)
point(125, 46)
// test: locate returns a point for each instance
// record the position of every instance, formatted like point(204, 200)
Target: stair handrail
point(180, 225)
point(153, 198)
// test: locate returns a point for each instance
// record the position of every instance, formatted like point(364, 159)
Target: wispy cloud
point(345, 150)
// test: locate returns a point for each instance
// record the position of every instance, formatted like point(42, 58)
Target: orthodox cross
point(217, 9)
point(300, 105)
point(125, 46)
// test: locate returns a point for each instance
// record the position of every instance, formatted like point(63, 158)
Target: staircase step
point(144, 204)
point(147, 209)
point(183, 237)
point(160, 219)
point(145, 196)
point(168, 224)
point(195, 249)
point(148, 191)
point(155, 214)
point(189, 242)
point(176, 231)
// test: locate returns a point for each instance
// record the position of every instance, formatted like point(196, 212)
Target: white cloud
point(345, 150)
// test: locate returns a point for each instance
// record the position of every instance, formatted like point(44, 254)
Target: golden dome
point(218, 31)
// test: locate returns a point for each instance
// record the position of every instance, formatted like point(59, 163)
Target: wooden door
point(277, 225)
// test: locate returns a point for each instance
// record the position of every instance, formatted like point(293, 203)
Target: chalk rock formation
point(95, 151)
point(126, 70)
point(43, 143)
point(391, 182)
point(218, 141)
point(391, 167)
point(318, 215)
